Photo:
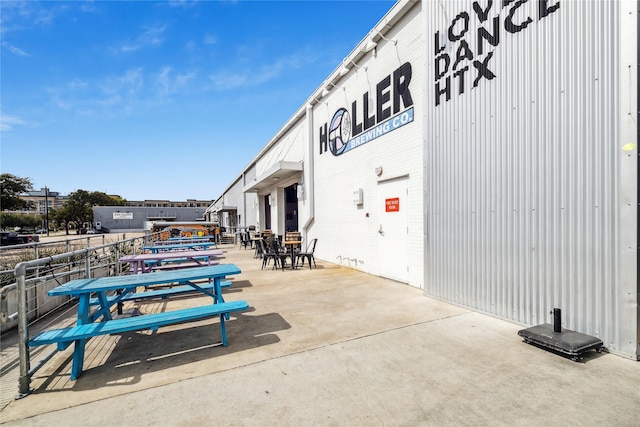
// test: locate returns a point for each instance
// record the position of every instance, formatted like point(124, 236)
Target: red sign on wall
point(392, 205)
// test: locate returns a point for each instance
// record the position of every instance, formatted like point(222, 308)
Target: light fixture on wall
point(345, 70)
point(300, 191)
point(358, 198)
point(318, 101)
point(370, 45)
point(327, 89)
point(394, 41)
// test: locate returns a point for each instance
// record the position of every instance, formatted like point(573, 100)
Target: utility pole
point(46, 207)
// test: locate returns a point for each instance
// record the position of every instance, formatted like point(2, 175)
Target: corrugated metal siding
point(522, 170)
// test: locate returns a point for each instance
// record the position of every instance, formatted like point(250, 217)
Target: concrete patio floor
point(328, 346)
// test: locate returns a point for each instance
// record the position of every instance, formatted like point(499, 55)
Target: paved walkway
point(330, 346)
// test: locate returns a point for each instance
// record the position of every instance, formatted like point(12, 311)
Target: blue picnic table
point(178, 246)
point(99, 293)
point(144, 263)
point(179, 240)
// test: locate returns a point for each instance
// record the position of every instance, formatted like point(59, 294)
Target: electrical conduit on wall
point(309, 180)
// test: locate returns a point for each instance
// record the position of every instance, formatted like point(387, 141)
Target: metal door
point(393, 229)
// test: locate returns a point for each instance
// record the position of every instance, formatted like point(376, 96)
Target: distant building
point(43, 197)
point(190, 203)
point(135, 215)
point(140, 218)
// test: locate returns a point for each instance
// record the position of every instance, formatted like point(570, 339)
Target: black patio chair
point(265, 253)
point(259, 248)
point(245, 240)
point(279, 251)
point(270, 252)
point(308, 254)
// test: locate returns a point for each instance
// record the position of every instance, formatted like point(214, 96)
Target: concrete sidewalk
point(329, 346)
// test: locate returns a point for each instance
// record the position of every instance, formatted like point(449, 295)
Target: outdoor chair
point(258, 249)
point(270, 252)
point(245, 240)
point(265, 253)
point(308, 254)
point(280, 251)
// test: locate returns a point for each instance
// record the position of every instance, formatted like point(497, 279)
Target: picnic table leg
point(79, 345)
point(218, 290)
point(223, 329)
point(78, 359)
point(219, 298)
point(104, 306)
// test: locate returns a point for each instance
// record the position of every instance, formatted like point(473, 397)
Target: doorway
point(267, 212)
point(393, 237)
point(291, 208)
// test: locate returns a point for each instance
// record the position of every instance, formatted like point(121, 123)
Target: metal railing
point(34, 277)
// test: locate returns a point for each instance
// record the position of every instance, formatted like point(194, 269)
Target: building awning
point(279, 171)
point(224, 209)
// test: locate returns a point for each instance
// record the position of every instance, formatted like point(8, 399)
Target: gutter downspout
point(309, 191)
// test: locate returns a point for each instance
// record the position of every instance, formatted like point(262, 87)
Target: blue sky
point(160, 100)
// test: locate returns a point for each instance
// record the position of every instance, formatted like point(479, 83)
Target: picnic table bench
point(65, 336)
point(144, 263)
point(87, 326)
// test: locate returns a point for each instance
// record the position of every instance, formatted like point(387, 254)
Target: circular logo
point(339, 131)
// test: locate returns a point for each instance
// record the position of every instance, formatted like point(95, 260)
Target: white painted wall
point(348, 233)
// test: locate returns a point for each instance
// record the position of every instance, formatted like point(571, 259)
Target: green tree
point(99, 198)
point(79, 207)
point(11, 220)
point(60, 216)
point(11, 187)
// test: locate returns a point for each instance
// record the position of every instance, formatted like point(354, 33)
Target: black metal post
point(557, 320)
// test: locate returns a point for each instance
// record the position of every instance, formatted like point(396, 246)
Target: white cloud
point(182, 3)
point(15, 50)
point(151, 36)
point(257, 75)
point(128, 91)
point(209, 39)
point(171, 85)
point(183, 79)
point(229, 80)
point(7, 123)
point(22, 15)
point(191, 46)
point(88, 7)
point(163, 79)
point(130, 82)
point(107, 96)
